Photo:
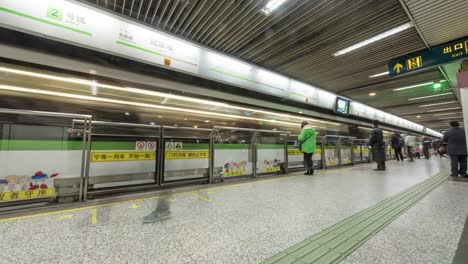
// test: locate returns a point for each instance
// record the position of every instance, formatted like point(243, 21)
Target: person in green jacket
point(308, 138)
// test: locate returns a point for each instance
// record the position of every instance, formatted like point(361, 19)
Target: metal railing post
point(286, 156)
point(83, 161)
point(211, 157)
point(88, 158)
point(254, 154)
point(324, 161)
point(338, 148)
point(160, 157)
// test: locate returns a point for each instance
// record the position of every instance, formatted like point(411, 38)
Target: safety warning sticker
point(122, 156)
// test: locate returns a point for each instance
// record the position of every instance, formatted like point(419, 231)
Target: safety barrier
point(72, 157)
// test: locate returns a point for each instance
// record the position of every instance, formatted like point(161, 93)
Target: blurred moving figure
point(377, 144)
point(397, 144)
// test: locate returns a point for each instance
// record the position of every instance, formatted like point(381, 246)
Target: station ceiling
point(300, 37)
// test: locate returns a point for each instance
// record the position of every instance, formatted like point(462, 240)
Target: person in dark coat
point(456, 148)
point(377, 144)
point(426, 146)
point(397, 144)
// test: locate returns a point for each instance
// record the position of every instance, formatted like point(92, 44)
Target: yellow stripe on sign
point(294, 152)
point(26, 195)
point(122, 156)
point(174, 155)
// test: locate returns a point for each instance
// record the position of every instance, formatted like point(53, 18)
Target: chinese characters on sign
point(439, 55)
point(29, 194)
point(122, 156)
point(172, 155)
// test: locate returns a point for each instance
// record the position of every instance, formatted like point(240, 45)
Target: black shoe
point(311, 172)
point(451, 175)
point(378, 169)
point(306, 173)
point(465, 176)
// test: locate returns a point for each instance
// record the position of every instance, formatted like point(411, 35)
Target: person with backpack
point(377, 144)
point(397, 144)
point(308, 139)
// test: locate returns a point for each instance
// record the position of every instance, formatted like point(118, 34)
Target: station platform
point(411, 213)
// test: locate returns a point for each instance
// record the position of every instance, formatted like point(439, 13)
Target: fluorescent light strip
point(430, 96)
point(429, 105)
point(153, 93)
point(443, 109)
point(106, 100)
point(447, 114)
point(271, 6)
point(451, 117)
point(379, 74)
point(375, 38)
point(415, 86)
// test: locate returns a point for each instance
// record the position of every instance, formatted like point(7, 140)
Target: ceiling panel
point(299, 38)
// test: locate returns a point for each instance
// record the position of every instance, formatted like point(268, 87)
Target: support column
point(462, 79)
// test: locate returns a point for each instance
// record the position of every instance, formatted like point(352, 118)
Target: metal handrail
point(42, 113)
point(251, 129)
point(118, 124)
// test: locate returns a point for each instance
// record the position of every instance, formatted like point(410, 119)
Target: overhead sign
point(442, 54)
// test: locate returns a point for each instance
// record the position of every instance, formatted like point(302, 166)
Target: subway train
point(69, 137)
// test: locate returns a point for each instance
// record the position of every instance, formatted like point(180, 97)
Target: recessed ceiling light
point(379, 74)
point(195, 126)
point(418, 116)
point(271, 6)
point(176, 125)
point(127, 113)
point(206, 121)
point(160, 117)
point(372, 94)
point(300, 112)
point(430, 96)
point(152, 123)
point(416, 86)
point(374, 39)
point(443, 109)
point(185, 119)
point(429, 105)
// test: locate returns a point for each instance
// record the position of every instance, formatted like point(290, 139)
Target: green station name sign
point(442, 54)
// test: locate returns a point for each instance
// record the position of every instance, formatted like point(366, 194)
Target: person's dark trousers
point(457, 160)
point(398, 154)
point(381, 165)
point(410, 152)
point(309, 164)
point(426, 153)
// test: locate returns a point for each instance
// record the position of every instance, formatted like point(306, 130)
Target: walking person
point(426, 146)
point(410, 142)
point(308, 139)
point(377, 144)
point(397, 144)
point(162, 211)
point(456, 148)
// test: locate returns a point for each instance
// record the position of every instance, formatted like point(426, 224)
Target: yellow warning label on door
point(234, 173)
point(294, 152)
point(172, 155)
point(357, 151)
point(122, 156)
point(25, 195)
point(272, 169)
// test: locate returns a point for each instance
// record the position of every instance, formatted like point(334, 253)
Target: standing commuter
point(308, 138)
point(426, 146)
point(456, 147)
point(377, 144)
point(410, 142)
point(397, 143)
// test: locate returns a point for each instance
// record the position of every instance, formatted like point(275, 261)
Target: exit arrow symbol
point(69, 216)
point(397, 67)
point(134, 206)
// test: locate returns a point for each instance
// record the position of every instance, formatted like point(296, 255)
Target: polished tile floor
point(248, 223)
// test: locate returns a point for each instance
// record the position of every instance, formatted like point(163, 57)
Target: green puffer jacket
point(308, 139)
